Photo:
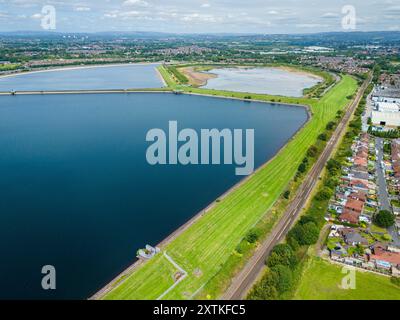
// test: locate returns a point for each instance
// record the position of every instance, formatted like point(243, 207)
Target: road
point(384, 203)
point(242, 283)
point(383, 195)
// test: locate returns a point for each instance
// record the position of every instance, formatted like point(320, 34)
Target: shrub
point(312, 151)
point(302, 167)
point(252, 236)
point(330, 125)
point(286, 194)
point(395, 280)
point(265, 289)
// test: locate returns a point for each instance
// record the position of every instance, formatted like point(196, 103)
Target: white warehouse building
point(388, 119)
point(387, 107)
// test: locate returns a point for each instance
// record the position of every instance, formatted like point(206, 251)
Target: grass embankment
point(9, 67)
point(322, 281)
point(205, 247)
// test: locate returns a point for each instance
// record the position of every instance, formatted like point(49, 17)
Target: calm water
point(77, 192)
point(106, 77)
point(262, 80)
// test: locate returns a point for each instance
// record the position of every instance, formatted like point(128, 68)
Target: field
point(203, 248)
point(322, 280)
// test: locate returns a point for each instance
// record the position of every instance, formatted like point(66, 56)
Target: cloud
point(36, 16)
point(205, 5)
point(82, 9)
point(330, 15)
point(140, 3)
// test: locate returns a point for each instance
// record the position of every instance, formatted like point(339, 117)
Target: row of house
point(353, 193)
point(352, 239)
point(357, 247)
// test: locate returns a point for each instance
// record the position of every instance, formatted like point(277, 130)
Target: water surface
point(272, 81)
point(78, 194)
point(127, 76)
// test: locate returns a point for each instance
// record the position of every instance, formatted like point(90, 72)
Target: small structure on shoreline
point(148, 253)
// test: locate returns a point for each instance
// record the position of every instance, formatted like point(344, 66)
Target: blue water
point(136, 76)
point(78, 194)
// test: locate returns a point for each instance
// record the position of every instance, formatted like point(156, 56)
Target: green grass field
point(207, 244)
point(322, 281)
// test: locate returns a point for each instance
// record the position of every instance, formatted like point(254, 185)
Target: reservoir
point(126, 76)
point(274, 81)
point(77, 192)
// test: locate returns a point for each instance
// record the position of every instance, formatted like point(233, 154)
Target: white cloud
point(82, 9)
point(330, 15)
point(205, 5)
point(140, 3)
point(36, 16)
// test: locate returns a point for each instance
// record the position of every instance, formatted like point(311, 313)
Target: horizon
point(49, 32)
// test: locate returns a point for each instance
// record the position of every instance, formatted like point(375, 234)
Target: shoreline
point(78, 67)
point(288, 69)
point(121, 277)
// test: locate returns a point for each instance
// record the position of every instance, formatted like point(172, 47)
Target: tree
point(330, 125)
point(282, 254)
point(333, 166)
point(302, 167)
point(323, 137)
point(305, 234)
point(285, 278)
point(324, 194)
point(384, 219)
point(312, 152)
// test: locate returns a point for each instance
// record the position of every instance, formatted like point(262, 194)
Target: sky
point(202, 16)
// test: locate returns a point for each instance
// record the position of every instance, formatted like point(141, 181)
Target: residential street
point(384, 202)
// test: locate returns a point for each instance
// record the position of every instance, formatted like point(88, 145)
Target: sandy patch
point(197, 78)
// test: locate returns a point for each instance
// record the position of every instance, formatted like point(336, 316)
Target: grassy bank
point(322, 281)
point(205, 247)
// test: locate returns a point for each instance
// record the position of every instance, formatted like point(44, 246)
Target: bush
point(302, 167)
point(395, 280)
point(312, 152)
point(331, 125)
point(286, 194)
point(323, 137)
point(265, 289)
point(384, 219)
point(306, 219)
point(252, 236)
